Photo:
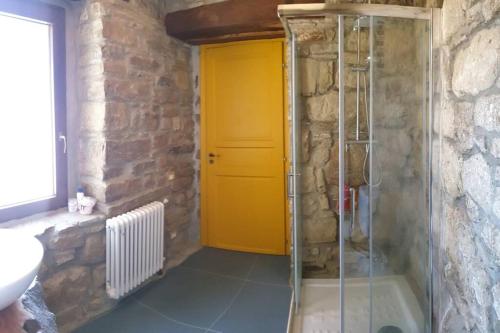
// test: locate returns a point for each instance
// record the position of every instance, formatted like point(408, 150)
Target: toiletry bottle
point(79, 195)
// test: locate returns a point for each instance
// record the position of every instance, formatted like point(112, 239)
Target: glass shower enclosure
point(376, 199)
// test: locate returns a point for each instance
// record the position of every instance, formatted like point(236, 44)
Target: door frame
point(203, 136)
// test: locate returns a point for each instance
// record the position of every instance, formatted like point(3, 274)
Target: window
point(33, 173)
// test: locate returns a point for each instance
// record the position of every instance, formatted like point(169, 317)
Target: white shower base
point(393, 301)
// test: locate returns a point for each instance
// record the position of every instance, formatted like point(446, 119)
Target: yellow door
point(243, 182)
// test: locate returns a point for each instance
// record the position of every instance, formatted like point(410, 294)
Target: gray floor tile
point(258, 308)
point(190, 296)
point(223, 262)
point(271, 269)
point(131, 317)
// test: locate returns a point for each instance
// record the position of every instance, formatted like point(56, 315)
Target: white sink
point(20, 258)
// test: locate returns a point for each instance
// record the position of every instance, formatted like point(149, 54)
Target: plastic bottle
point(79, 195)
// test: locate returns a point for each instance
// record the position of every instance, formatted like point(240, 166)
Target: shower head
point(361, 22)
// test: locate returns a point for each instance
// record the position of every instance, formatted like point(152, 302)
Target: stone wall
point(137, 144)
point(468, 281)
point(137, 127)
point(73, 270)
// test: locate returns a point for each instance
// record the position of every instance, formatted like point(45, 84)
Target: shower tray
point(393, 300)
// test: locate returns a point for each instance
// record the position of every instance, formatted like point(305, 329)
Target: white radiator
point(134, 248)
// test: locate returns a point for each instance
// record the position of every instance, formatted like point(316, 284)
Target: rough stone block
point(92, 155)
point(93, 11)
point(308, 180)
point(487, 113)
point(120, 189)
point(117, 116)
point(143, 167)
point(477, 66)
point(496, 204)
point(93, 226)
point(320, 230)
point(99, 276)
point(495, 147)
point(491, 237)
point(123, 91)
point(144, 64)
point(321, 185)
point(317, 76)
point(92, 116)
point(476, 178)
point(118, 152)
point(93, 89)
point(114, 51)
point(451, 166)
point(481, 285)
point(114, 31)
point(182, 79)
point(323, 202)
point(99, 302)
point(150, 122)
point(66, 286)
point(323, 50)
point(464, 126)
point(94, 250)
point(496, 299)
point(306, 145)
point(320, 153)
point(310, 203)
point(62, 257)
point(90, 54)
point(66, 240)
point(323, 108)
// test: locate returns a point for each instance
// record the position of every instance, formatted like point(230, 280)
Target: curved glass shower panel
point(361, 170)
point(398, 161)
point(353, 36)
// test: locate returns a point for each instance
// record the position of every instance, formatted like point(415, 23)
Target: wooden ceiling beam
point(229, 20)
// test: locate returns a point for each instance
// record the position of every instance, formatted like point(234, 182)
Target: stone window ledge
point(57, 221)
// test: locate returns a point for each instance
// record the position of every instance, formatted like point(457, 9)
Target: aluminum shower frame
point(304, 11)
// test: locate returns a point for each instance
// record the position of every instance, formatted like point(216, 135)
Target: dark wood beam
point(228, 21)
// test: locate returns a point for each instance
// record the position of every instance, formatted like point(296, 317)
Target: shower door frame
point(302, 11)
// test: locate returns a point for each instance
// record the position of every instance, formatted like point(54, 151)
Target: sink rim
point(34, 244)
point(13, 285)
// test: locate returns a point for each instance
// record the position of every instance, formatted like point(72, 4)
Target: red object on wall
point(347, 199)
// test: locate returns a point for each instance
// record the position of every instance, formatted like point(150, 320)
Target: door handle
point(212, 155)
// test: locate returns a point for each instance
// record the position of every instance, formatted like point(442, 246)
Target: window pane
point(27, 168)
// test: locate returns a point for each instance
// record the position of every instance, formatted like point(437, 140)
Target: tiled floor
point(212, 291)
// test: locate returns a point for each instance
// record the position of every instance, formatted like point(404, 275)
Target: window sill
point(57, 221)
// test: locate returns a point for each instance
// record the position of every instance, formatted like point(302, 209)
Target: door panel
point(244, 192)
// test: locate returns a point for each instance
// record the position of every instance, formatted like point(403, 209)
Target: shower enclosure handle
point(289, 185)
